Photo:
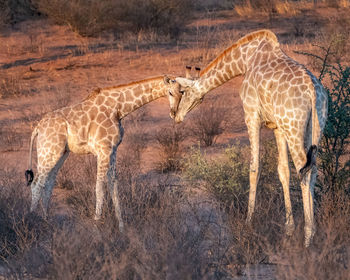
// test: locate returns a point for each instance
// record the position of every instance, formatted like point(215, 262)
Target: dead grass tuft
point(208, 123)
point(270, 8)
point(170, 140)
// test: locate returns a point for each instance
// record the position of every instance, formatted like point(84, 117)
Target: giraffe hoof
point(309, 234)
point(289, 229)
point(97, 217)
point(121, 228)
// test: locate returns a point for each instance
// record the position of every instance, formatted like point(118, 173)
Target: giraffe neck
point(225, 67)
point(128, 98)
point(234, 61)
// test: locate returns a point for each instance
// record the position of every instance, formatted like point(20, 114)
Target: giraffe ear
point(188, 72)
point(198, 71)
point(166, 80)
point(185, 82)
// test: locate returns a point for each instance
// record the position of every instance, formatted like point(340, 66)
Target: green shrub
point(227, 177)
point(334, 162)
point(334, 147)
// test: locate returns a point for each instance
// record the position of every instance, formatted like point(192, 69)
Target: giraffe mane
point(244, 40)
point(97, 91)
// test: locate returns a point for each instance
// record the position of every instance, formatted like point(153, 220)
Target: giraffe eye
point(171, 94)
point(182, 92)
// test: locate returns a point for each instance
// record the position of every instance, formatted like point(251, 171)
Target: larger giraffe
point(92, 126)
point(282, 94)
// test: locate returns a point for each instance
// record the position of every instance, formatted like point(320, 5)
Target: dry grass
point(270, 8)
point(170, 142)
point(167, 235)
point(91, 18)
point(208, 122)
point(11, 85)
point(174, 229)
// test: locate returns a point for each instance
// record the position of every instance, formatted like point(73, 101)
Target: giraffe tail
point(29, 173)
point(316, 130)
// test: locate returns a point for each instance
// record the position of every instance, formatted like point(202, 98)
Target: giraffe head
point(191, 96)
point(188, 98)
point(174, 94)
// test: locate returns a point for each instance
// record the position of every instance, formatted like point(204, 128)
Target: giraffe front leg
point(102, 168)
point(253, 125)
point(284, 176)
point(115, 197)
point(99, 199)
point(113, 189)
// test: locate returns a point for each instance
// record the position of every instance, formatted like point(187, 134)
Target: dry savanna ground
point(183, 188)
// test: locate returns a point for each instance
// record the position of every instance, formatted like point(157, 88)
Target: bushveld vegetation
point(187, 221)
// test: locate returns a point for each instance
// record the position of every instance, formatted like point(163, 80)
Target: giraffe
point(91, 126)
point(281, 94)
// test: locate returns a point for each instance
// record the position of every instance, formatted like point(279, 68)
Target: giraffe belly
point(267, 118)
point(76, 144)
point(78, 148)
point(270, 125)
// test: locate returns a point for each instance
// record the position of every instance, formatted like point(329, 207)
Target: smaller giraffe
point(91, 126)
point(280, 93)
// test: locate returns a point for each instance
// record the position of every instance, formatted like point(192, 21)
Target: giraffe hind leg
point(310, 161)
point(284, 176)
point(52, 152)
point(50, 182)
point(307, 185)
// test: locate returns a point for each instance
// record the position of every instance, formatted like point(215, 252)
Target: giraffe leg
point(50, 151)
point(253, 126)
point(50, 182)
point(284, 175)
point(307, 189)
point(102, 168)
point(37, 187)
point(113, 189)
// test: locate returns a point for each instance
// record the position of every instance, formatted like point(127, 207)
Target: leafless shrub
point(167, 16)
point(208, 123)
point(87, 18)
point(81, 252)
point(19, 231)
point(13, 11)
point(78, 176)
point(337, 3)
point(329, 255)
point(90, 18)
point(170, 140)
point(5, 12)
point(10, 85)
point(271, 8)
point(11, 140)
